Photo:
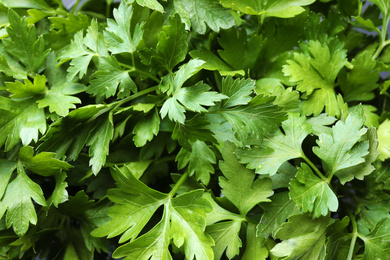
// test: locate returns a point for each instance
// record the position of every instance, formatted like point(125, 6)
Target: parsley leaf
point(118, 35)
point(343, 148)
point(109, 78)
point(20, 120)
point(59, 97)
point(312, 194)
point(377, 242)
point(17, 202)
point(23, 43)
point(315, 71)
point(242, 190)
point(276, 8)
point(278, 147)
point(199, 160)
point(198, 13)
point(302, 237)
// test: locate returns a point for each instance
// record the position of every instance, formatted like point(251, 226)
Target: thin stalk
point(318, 172)
point(182, 179)
point(382, 37)
point(144, 73)
point(354, 236)
point(75, 7)
point(157, 161)
point(164, 159)
point(108, 9)
point(132, 97)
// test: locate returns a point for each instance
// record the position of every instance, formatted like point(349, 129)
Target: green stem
point(132, 97)
point(382, 36)
point(182, 179)
point(75, 7)
point(144, 73)
point(164, 159)
point(108, 9)
point(354, 236)
point(318, 172)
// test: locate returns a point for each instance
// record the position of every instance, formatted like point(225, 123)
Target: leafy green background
point(194, 129)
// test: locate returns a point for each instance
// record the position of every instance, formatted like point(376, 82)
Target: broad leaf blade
point(239, 184)
point(312, 194)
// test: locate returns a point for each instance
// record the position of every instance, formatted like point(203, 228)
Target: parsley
point(196, 129)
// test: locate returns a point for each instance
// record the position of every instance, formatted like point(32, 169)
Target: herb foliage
point(194, 129)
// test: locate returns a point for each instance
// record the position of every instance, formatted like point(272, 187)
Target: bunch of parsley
point(195, 129)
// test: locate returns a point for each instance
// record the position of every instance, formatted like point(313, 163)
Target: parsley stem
point(319, 173)
point(75, 7)
point(144, 73)
point(134, 96)
point(382, 36)
point(354, 236)
point(164, 159)
point(182, 179)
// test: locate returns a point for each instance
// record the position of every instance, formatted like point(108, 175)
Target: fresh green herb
point(201, 129)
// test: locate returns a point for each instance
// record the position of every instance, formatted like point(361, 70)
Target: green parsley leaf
point(43, 163)
point(378, 241)
point(192, 130)
point(60, 194)
point(71, 23)
point(257, 118)
point(275, 214)
point(27, 88)
point(275, 8)
point(278, 147)
point(59, 97)
point(37, 4)
point(384, 140)
point(315, 71)
point(143, 203)
point(152, 4)
point(190, 98)
point(198, 13)
point(199, 160)
point(152, 245)
point(23, 43)
point(358, 84)
point(20, 120)
point(183, 221)
point(89, 127)
point(226, 232)
point(17, 202)
point(363, 169)
point(193, 98)
point(146, 128)
point(226, 237)
point(213, 62)
point(172, 44)
point(98, 143)
point(81, 51)
point(238, 91)
point(254, 249)
point(312, 194)
point(109, 78)
point(241, 189)
point(302, 237)
point(118, 35)
point(238, 51)
point(343, 148)
point(7, 167)
point(188, 224)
